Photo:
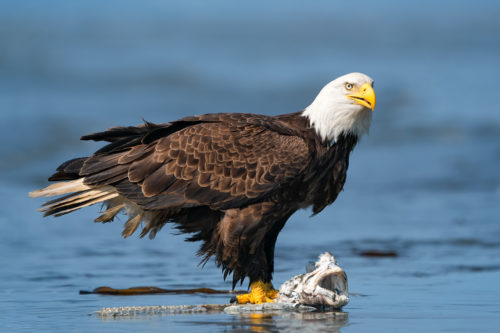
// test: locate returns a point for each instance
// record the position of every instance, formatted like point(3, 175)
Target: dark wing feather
point(118, 133)
point(69, 170)
point(220, 161)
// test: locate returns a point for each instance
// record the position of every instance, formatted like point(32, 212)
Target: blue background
point(425, 183)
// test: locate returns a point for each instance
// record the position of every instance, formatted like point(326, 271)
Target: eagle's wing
point(217, 162)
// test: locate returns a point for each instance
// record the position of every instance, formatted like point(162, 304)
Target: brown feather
point(131, 225)
point(157, 182)
point(139, 170)
point(135, 154)
point(110, 213)
point(98, 163)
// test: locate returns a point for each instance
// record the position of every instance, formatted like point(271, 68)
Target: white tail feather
point(78, 195)
point(74, 194)
point(87, 195)
point(87, 202)
point(60, 188)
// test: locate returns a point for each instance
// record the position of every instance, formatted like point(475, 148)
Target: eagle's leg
point(260, 292)
point(253, 257)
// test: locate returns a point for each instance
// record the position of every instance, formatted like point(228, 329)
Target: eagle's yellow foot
point(260, 292)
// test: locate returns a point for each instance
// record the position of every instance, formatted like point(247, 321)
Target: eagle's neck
point(332, 118)
point(302, 126)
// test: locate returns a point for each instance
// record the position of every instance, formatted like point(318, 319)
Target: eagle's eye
point(349, 86)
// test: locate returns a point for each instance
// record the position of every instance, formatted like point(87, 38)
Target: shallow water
point(425, 183)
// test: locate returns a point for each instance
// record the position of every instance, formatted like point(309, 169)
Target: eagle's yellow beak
point(364, 96)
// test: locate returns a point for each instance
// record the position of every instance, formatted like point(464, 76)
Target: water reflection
point(291, 322)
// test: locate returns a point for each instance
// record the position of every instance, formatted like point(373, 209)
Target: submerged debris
point(154, 290)
point(378, 253)
point(128, 311)
point(324, 284)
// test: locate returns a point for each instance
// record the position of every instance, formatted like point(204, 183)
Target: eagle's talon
point(261, 292)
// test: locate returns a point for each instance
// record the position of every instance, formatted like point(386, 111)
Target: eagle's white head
point(344, 105)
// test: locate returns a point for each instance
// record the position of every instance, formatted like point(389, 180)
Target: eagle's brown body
point(232, 180)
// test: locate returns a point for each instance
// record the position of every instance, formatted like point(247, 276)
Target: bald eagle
point(231, 180)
